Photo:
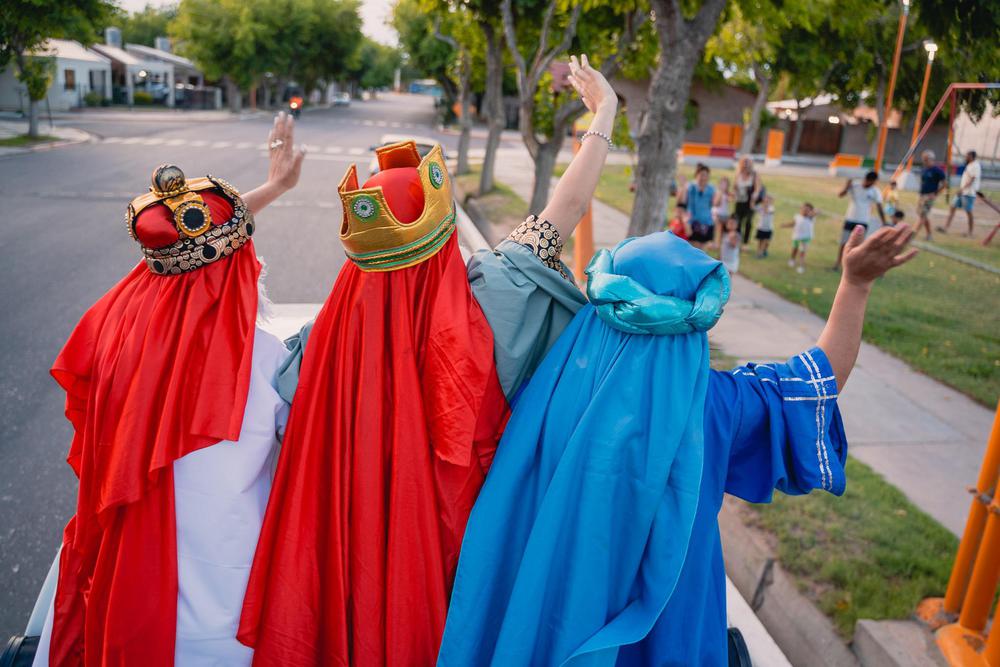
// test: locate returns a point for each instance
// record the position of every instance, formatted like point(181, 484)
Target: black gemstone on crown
point(193, 219)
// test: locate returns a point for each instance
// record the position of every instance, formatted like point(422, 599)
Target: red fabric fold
point(393, 427)
point(158, 368)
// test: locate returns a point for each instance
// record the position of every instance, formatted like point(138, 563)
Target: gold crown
point(372, 236)
point(200, 242)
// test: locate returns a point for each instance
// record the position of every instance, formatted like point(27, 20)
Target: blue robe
point(594, 540)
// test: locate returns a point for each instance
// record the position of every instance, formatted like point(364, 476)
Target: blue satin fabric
point(580, 532)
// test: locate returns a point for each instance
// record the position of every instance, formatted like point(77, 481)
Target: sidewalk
point(922, 436)
point(65, 136)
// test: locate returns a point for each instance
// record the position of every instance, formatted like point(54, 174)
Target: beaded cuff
point(543, 240)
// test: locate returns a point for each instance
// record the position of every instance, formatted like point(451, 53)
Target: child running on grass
point(729, 251)
point(802, 233)
point(766, 225)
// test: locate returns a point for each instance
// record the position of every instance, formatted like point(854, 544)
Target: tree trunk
point(235, 96)
point(465, 107)
point(545, 165)
point(753, 126)
point(661, 135)
point(682, 43)
point(492, 105)
point(33, 119)
point(799, 125)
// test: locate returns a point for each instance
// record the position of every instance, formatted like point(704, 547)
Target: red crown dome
point(404, 194)
point(155, 226)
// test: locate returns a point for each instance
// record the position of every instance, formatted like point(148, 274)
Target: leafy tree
point(426, 53)
point(681, 35)
point(606, 33)
point(24, 27)
point(145, 25)
point(373, 65)
point(750, 40)
point(240, 42)
point(460, 25)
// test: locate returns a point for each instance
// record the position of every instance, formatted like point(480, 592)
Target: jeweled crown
point(201, 237)
point(373, 237)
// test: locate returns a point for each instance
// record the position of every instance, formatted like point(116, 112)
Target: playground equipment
point(960, 618)
point(950, 96)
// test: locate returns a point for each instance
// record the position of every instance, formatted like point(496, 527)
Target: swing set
point(950, 96)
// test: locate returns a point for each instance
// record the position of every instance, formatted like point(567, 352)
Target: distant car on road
point(424, 146)
point(342, 100)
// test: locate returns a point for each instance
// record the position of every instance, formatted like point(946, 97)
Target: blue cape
point(576, 541)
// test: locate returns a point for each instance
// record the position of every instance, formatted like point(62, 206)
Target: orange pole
point(884, 130)
point(583, 245)
point(992, 651)
point(972, 537)
point(951, 139)
point(920, 109)
point(985, 575)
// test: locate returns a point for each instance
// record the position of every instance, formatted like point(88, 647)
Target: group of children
point(696, 223)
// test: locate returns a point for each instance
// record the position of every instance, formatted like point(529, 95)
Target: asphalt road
point(63, 244)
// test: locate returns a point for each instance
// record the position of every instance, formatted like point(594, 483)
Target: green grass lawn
point(869, 554)
point(939, 315)
point(24, 140)
point(502, 207)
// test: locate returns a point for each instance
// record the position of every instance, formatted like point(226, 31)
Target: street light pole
point(884, 129)
point(931, 48)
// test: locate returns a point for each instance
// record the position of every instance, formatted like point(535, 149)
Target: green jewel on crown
point(436, 174)
point(365, 207)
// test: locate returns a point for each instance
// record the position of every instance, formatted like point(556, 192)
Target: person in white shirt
point(859, 211)
point(802, 234)
point(971, 180)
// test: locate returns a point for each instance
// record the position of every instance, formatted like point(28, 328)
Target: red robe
point(395, 421)
point(158, 368)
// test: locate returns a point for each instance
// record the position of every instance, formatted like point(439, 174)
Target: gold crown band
point(373, 238)
point(193, 253)
point(409, 255)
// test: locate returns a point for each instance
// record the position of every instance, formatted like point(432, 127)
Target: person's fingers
point(903, 237)
point(574, 64)
point(300, 155)
point(289, 131)
point(856, 238)
point(904, 258)
point(585, 64)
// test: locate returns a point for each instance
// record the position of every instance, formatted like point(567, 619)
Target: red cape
point(395, 421)
point(156, 369)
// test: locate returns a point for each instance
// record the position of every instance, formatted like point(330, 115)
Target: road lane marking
point(132, 140)
point(177, 142)
point(244, 144)
point(356, 151)
point(153, 141)
point(198, 142)
point(113, 140)
point(396, 123)
point(222, 144)
point(334, 149)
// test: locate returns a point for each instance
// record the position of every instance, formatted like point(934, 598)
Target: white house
point(78, 71)
point(131, 72)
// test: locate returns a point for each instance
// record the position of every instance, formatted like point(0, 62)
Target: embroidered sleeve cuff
point(543, 240)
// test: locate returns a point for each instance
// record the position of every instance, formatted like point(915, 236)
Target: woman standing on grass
point(747, 184)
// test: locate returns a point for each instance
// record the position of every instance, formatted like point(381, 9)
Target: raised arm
point(847, 186)
point(284, 168)
point(575, 189)
point(864, 262)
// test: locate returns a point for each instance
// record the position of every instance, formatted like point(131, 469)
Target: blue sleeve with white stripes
point(783, 427)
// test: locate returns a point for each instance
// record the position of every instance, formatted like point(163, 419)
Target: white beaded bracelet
point(592, 133)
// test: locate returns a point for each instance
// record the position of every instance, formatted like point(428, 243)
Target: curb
point(803, 633)
point(50, 145)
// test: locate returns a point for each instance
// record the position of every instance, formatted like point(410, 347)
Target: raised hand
point(593, 88)
point(866, 260)
point(286, 161)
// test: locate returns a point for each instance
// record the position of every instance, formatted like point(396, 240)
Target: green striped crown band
point(406, 255)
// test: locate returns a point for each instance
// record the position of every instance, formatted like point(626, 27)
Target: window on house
point(69, 76)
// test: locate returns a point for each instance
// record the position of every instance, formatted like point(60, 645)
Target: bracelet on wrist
point(592, 133)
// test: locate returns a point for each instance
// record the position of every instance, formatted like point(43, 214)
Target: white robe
point(220, 496)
